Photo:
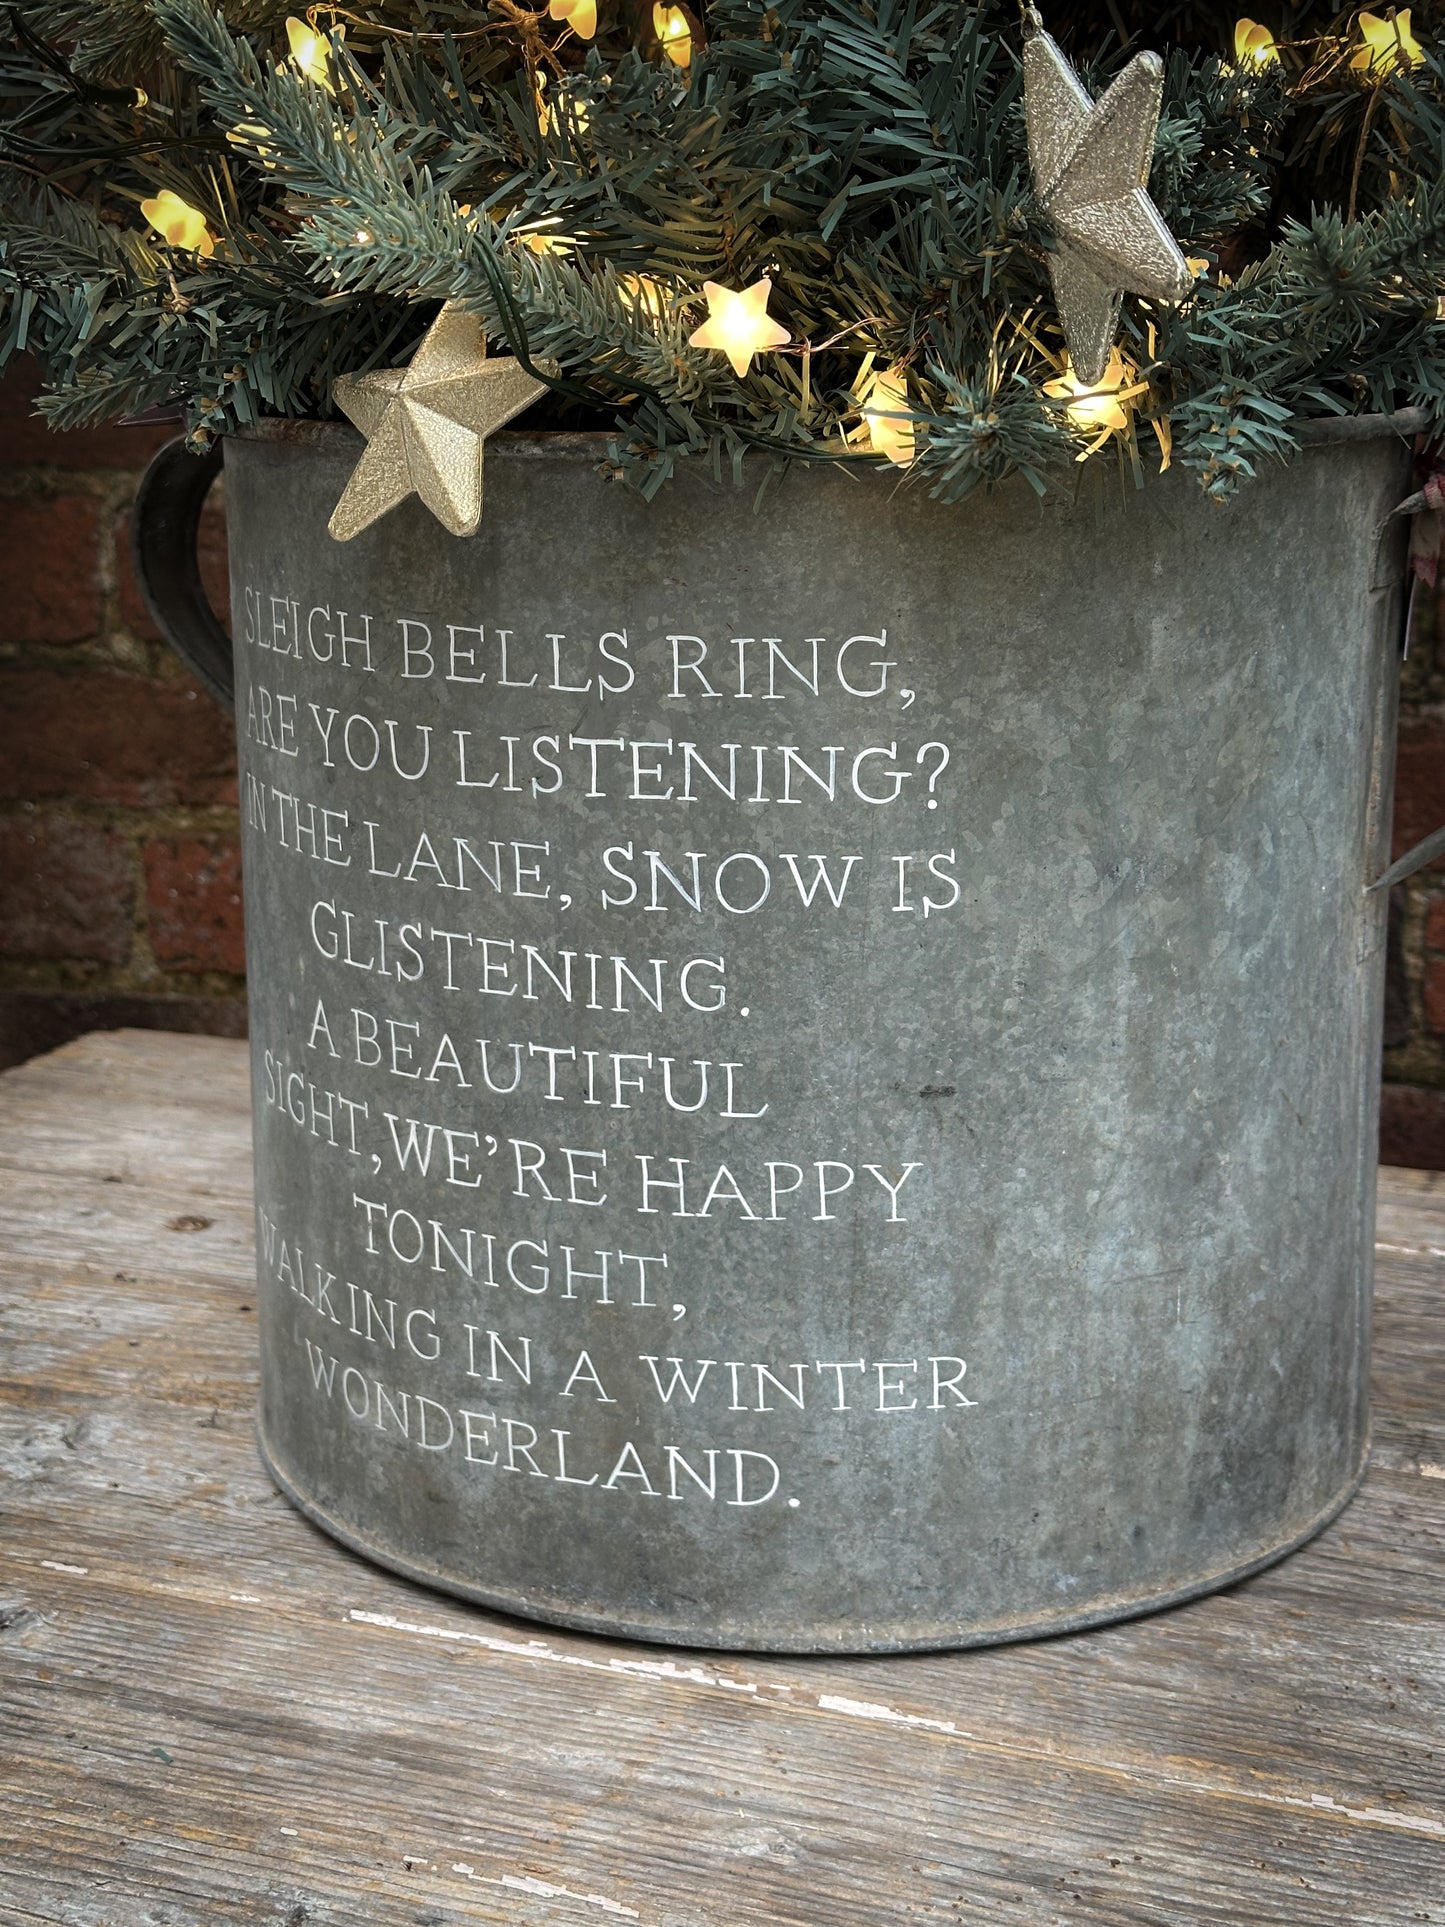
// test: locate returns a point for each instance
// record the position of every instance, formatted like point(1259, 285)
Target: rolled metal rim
point(294, 432)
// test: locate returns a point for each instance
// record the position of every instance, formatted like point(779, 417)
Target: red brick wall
point(120, 898)
point(119, 862)
point(1412, 1123)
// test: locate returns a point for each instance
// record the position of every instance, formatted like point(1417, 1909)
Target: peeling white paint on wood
point(1376, 1816)
point(539, 1649)
point(547, 1890)
point(871, 1710)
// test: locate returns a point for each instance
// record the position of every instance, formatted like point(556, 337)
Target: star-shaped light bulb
point(738, 323)
point(1386, 43)
point(1093, 405)
point(178, 223)
point(250, 137)
point(425, 426)
point(310, 53)
point(1100, 408)
point(670, 24)
point(1254, 45)
point(647, 295)
point(885, 412)
point(580, 15)
point(539, 239)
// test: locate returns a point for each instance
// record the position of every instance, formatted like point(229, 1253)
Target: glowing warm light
point(1197, 264)
point(644, 293)
point(539, 97)
point(541, 242)
point(363, 238)
point(738, 323)
point(250, 134)
point(672, 29)
point(1386, 43)
point(1440, 307)
point(1254, 45)
point(179, 224)
point(310, 52)
point(1105, 406)
point(885, 413)
point(580, 15)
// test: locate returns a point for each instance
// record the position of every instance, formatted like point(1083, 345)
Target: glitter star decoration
point(738, 323)
point(1090, 166)
point(425, 426)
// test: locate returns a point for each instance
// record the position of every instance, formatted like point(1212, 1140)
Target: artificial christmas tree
point(210, 208)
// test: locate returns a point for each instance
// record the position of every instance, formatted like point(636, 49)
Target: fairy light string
point(871, 389)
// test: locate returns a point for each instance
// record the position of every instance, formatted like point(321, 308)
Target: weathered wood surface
point(209, 1713)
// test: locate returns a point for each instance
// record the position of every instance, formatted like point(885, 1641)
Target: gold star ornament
point(1090, 163)
point(425, 426)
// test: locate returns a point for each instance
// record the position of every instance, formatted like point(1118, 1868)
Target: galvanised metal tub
point(815, 1070)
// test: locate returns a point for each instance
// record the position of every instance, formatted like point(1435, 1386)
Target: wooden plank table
point(209, 1713)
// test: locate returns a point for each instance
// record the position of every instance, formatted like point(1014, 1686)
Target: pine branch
point(868, 156)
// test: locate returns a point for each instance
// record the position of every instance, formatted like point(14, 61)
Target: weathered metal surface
point(1026, 1221)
